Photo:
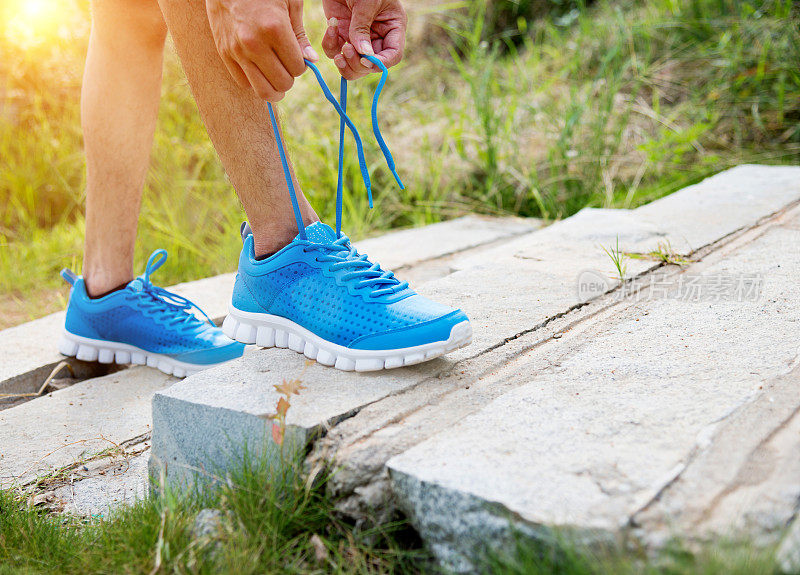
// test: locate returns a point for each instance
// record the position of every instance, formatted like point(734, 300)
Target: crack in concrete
point(698, 256)
point(745, 469)
point(58, 477)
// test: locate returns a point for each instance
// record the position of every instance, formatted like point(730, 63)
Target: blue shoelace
point(367, 274)
point(341, 108)
point(340, 251)
point(172, 309)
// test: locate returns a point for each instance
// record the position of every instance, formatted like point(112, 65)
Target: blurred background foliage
point(523, 107)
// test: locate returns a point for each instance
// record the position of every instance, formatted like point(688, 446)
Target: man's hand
point(364, 27)
point(261, 42)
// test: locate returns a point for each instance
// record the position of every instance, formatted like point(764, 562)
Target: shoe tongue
point(320, 233)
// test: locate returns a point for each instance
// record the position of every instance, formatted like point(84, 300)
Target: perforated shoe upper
point(150, 318)
point(323, 284)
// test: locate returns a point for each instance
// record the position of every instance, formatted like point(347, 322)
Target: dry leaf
point(288, 388)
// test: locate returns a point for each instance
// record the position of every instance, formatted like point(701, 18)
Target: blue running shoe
point(143, 324)
point(320, 297)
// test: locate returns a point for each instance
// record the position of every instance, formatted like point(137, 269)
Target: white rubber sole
point(268, 330)
point(102, 351)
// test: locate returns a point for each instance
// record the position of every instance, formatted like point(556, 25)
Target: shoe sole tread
point(267, 331)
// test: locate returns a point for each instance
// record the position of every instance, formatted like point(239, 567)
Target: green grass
point(272, 522)
point(558, 556)
point(610, 104)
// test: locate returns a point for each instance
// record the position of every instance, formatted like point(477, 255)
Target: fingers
point(271, 67)
point(284, 43)
point(356, 65)
point(370, 30)
point(236, 72)
point(345, 69)
point(332, 42)
point(340, 51)
point(296, 18)
point(270, 57)
point(390, 52)
point(361, 25)
point(262, 87)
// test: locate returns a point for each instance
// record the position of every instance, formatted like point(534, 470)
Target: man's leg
point(119, 106)
point(238, 124)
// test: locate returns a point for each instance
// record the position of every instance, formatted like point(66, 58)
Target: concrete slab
point(203, 423)
point(604, 419)
point(406, 248)
point(507, 290)
point(720, 205)
point(67, 426)
point(745, 480)
point(241, 393)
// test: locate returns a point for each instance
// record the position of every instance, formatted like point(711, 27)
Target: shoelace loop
point(173, 309)
point(340, 107)
point(367, 274)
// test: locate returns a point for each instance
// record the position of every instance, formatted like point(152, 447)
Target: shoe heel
point(67, 347)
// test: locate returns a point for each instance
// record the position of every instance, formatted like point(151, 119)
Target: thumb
point(364, 12)
point(296, 18)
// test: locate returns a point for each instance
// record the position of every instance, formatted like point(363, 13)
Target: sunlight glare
point(33, 22)
point(33, 9)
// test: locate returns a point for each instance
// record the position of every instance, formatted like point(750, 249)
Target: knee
point(132, 23)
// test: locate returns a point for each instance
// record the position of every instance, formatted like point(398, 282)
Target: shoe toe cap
point(431, 331)
point(219, 350)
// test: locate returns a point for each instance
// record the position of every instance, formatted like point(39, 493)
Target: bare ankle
point(269, 241)
point(271, 237)
point(102, 281)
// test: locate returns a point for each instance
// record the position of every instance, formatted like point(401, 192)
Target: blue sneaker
point(320, 297)
point(143, 324)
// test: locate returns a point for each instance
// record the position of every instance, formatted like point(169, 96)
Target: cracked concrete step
point(67, 426)
point(507, 291)
point(28, 359)
point(548, 266)
point(229, 405)
point(28, 452)
point(571, 246)
point(672, 414)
